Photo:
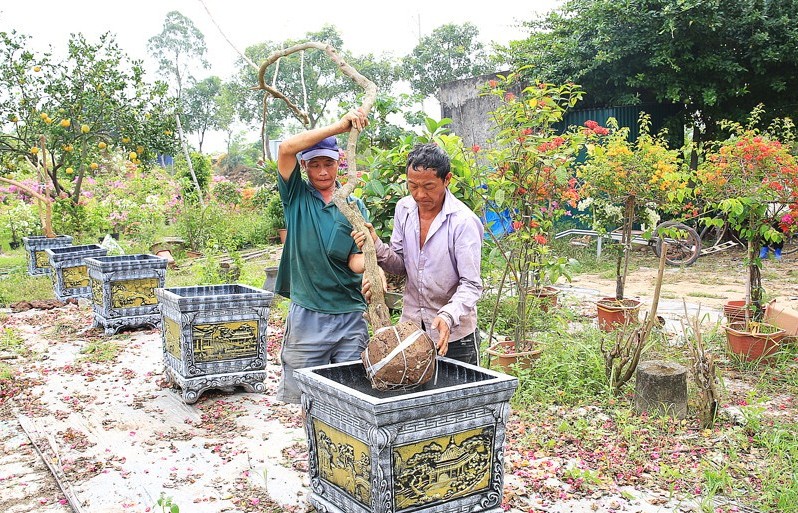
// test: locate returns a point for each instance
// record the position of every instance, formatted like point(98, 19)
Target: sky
point(365, 26)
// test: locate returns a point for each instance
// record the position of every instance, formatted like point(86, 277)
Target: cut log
point(661, 388)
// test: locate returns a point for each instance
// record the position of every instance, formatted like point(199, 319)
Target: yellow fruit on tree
point(37, 69)
point(43, 115)
point(34, 150)
point(140, 149)
point(94, 165)
point(132, 155)
point(84, 128)
point(67, 147)
point(69, 170)
point(65, 123)
point(101, 145)
point(126, 140)
point(48, 120)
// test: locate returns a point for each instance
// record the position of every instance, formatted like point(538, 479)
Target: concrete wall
point(460, 101)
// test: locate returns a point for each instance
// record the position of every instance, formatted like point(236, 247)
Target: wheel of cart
point(790, 244)
point(683, 243)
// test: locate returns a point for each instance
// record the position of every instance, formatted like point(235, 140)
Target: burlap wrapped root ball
point(399, 357)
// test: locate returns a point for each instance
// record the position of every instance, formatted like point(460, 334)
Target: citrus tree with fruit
point(64, 120)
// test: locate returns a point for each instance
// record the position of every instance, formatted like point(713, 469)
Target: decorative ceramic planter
point(35, 254)
point(750, 346)
point(69, 272)
point(437, 448)
point(214, 337)
point(505, 357)
point(615, 313)
point(123, 290)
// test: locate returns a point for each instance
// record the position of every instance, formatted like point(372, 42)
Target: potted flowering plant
point(529, 176)
point(747, 177)
point(625, 183)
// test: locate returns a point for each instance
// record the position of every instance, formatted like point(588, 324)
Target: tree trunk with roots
point(378, 313)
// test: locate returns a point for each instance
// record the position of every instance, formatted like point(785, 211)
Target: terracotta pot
point(504, 357)
point(751, 346)
point(546, 297)
point(734, 310)
point(783, 317)
point(614, 313)
point(282, 232)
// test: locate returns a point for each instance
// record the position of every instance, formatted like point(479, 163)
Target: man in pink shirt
point(437, 243)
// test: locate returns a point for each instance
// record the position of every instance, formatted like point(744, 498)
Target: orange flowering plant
point(626, 182)
point(752, 180)
point(529, 177)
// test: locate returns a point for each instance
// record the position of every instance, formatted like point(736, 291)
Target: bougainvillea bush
point(752, 180)
point(530, 179)
point(625, 182)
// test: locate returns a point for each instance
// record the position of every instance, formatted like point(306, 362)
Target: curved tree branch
point(378, 314)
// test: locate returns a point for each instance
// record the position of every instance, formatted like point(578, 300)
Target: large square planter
point(214, 337)
point(123, 290)
point(69, 273)
point(438, 448)
point(35, 254)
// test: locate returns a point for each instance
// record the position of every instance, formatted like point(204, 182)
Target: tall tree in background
point(451, 52)
point(226, 113)
point(178, 49)
point(202, 105)
point(718, 58)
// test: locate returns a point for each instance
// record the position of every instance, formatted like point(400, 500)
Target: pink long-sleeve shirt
point(443, 276)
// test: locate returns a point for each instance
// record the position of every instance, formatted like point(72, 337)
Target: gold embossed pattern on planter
point(75, 277)
point(172, 337)
point(225, 341)
point(132, 293)
point(344, 461)
point(42, 260)
point(443, 468)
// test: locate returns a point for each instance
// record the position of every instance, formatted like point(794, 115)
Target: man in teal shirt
point(325, 320)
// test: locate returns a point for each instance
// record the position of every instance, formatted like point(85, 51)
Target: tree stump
point(661, 388)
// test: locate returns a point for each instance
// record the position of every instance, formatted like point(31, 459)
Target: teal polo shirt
point(313, 268)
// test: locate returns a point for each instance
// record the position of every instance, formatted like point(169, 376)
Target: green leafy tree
point(203, 108)
point(178, 48)
point(719, 58)
point(203, 171)
point(451, 52)
point(68, 119)
point(226, 114)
